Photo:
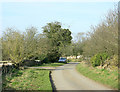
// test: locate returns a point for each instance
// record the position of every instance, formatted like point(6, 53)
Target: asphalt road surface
point(0, 78)
point(67, 78)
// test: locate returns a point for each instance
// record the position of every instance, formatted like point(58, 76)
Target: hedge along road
point(67, 78)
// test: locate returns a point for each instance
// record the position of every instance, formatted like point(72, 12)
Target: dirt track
point(67, 78)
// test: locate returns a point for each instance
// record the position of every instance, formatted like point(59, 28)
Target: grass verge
point(75, 60)
point(50, 65)
point(27, 79)
point(109, 78)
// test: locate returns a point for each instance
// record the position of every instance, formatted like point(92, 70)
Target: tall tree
point(58, 38)
point(12, 46)
point(104, 36)
point(30, 43)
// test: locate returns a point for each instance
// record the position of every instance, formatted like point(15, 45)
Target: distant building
point(74, 57)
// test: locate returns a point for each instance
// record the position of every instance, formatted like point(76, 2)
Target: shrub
point(41, 57)
point(68, 60)
point(112, 62)
point(98, 59)
point(81, 59)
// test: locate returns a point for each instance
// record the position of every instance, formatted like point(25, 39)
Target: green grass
point(109, 78)
point(5, 61)
point(28, 79)
point(74, 60)
point(50, 65)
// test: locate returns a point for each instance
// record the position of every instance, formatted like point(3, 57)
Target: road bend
point(67, 78)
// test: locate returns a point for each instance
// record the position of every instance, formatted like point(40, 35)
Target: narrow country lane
point(67, 78)
point(0, 78)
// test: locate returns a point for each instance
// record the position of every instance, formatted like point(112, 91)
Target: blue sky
point(78, 15)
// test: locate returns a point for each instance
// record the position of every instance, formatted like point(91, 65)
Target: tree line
point(102, 38)
point(56, 41)
point(31, 45)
